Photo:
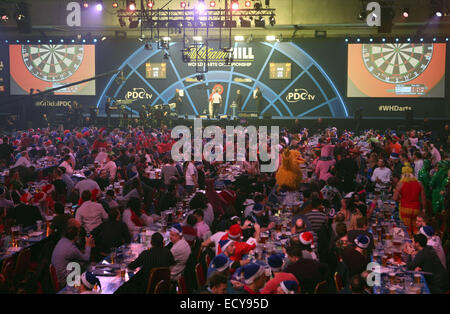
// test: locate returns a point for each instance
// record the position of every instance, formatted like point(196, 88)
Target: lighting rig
point(198, 20)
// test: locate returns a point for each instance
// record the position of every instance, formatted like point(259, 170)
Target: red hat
point(48, 143)
point(50, 202)
point(48, 188)
point(306, 238)
point(79, 135)
point(26, 197)
point(66, 131)
point(94, 194)
point(235, 232)
point(39, 197)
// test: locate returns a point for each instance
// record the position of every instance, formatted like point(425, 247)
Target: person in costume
point(289, 173)
point(437, 185)
point(325, 163)
point(411, 195)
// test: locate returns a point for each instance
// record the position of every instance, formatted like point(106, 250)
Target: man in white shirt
point(191, 177)
point(216, 102)
point(102, 156)
point(90, 214)
point(180, 251)
point(67, 165)
point(87, 184)
point(381, 175)
point(418, 163)
point(111, 167)
point(23, 161)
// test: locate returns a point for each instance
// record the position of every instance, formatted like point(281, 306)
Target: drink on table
point(398, 256)
point(264, 237)
point(417, 278)
point(388, 236)
point(123, 270)
point(392, 278)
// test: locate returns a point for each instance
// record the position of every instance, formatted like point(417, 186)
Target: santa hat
point(289, 286)
point(275, 262)
point(235, 232)
point(427, 231)
point(39, 197)
point(177, 229)
point(50, 202)
point(251, 272)
point(220, 263)
point(89, 280)
point(26, 198)
point(257, 208)
point(224, 244)
point(306, 238)
point(394, 156)
point(48, 188)
point(362, 241)
point(94, 194)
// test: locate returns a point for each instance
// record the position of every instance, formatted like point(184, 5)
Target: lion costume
point(289, 174)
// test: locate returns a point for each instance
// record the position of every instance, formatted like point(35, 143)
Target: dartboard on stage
point(52, 63)
point(397, 63)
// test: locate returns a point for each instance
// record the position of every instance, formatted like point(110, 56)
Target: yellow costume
point(289, 173)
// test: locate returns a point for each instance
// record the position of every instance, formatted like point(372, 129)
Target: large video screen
point(44, 67)
point(396, 70)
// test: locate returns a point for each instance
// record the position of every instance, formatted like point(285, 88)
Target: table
point(388, 227)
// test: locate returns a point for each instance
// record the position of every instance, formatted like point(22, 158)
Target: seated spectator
point(276, 264)
point(180, 250)
point(67, 252)
point(203, 231)
point(90, 214)
point(111, 233)
point(288, 287)
point(59, 222)
point(355, 257)
point(134, 217)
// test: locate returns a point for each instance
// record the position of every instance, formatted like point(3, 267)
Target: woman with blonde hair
point(411, 195)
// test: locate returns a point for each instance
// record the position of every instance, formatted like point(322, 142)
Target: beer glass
point(392, 278)
point(417, 278)
point(123, 271)
point(384, 260)
point(113, 256)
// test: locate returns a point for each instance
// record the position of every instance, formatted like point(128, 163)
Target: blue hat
point(177, 229)
point(224, 244)
point(251, 272)
point(258, 208)
point(89, 280)
point(220, 262)
point(87, 173)
point(362, 241)
point(275, 262)
point(289, 286)
point(427, 231)
point(394, 156)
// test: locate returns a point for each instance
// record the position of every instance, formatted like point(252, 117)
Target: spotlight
point(95, 40)
point(103, 38)
point(73, 40)
point(201, 6)
point(50, 41)
point(212, 4)
point(406, 13)
point(439, 13)
point(371, 39)
point(346, 40)
point(235, 5)
point(150, 4)
point(272, 19)
point(358, 40)
point(248, 4)
point(383, 39)
point(4, 16)
point(39, 41)
point(434, 38)
point(446, 38)
point(99, 5)
point(62, 40)
point(409, 39)
point(85, 4)
point(183, 4)
point(131, 5)
point(141, 39)
point(397, 39)
point(115, 5)
point(421, 39)
point(84, 41)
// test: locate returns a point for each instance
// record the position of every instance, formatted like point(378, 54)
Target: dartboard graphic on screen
point(397, 63)
point(47, 66)
point(396, 70)
point(52, 63)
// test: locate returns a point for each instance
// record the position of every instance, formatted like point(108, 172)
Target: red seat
point(182, 287)
point(23, 262)
point(200, 275)
point(338, 282)
point(156, 275)
point(162, 287)
point(53, 278)
point(207, 260)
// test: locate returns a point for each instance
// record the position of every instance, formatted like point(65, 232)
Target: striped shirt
point(316, 219)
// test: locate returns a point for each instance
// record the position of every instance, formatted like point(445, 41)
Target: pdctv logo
point(138, 93)
point(300, 94)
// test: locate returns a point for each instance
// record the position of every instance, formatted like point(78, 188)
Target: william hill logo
point(239, 54)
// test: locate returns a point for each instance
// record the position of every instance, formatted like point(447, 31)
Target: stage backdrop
point(310, 78)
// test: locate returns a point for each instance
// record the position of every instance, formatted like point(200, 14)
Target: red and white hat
point(39, 197)
point(306, 238)
point(48, 188)
point(26, 197)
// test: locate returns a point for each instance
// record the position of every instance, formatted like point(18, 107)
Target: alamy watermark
point(213, 150)
point(374, 277)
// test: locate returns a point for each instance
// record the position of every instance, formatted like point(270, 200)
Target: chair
point(162, 287)
point(338, 282)
point(200, 275)
point(23, 262)
point(8, 274)
point(207, 260)
point(156, 275)
point(321, 288)
point(182, 287)
point(53, 278)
